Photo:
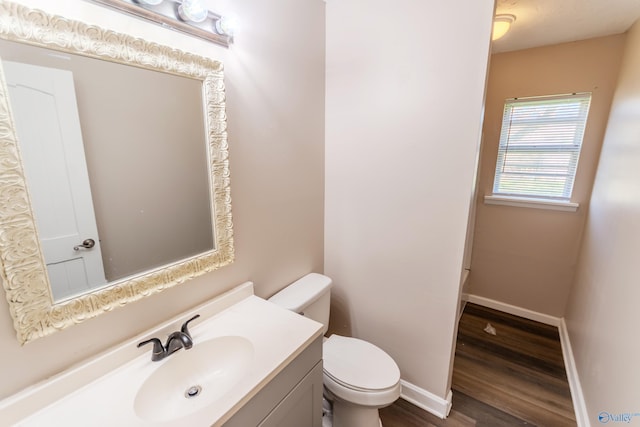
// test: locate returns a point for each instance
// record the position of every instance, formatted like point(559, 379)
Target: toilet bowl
point(359, 377)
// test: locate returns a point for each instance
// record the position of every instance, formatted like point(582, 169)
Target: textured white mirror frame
point(22, 268)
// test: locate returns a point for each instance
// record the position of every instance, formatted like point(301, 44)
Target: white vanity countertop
point(277, 335)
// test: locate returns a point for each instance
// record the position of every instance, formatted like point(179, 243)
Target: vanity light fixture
point(187, 16)
point(501, 24)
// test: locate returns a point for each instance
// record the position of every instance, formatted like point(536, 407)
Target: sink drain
point(192, 391)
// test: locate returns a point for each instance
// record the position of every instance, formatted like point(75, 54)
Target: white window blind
point(540, 145)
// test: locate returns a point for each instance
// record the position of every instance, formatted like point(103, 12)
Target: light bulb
point(192, 10)
point(226, 25)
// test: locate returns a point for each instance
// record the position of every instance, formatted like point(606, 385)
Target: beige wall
point(399, 172)
point(602, 314)
point(275, 107)
point(523, 256)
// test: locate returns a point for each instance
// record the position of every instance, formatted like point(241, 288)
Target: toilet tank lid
point(302, 292)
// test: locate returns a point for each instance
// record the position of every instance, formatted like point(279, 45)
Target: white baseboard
point(579, 405)
point(512, 309)
point(426, 400)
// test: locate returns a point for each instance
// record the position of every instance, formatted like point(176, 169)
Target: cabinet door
point(302, 407)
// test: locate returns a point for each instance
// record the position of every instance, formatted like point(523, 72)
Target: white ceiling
point(545, 22)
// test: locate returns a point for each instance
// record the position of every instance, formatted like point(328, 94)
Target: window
point(539, 147)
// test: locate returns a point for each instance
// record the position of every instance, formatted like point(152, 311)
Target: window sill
point(525, 202)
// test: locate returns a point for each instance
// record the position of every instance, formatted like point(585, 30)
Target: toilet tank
point(309, 296)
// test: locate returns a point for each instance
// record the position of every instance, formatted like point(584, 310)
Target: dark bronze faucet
point(175, 341)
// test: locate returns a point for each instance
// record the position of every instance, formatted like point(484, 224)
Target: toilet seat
point(360, 372)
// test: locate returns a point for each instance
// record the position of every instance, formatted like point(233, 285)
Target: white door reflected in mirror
point(45, 110)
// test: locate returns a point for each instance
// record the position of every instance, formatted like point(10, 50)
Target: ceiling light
point(150, 2)
point(501, 24)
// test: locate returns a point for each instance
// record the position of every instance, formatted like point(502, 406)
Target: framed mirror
point(152, 157)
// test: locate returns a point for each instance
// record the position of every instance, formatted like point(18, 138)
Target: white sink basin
point(190, 380)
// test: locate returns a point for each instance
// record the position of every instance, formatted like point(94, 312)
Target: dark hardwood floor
point(513, 378)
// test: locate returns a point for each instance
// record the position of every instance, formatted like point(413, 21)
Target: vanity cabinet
point(292, 399)
point(300, 406)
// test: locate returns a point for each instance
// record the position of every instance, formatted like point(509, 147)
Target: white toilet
point(359, 378)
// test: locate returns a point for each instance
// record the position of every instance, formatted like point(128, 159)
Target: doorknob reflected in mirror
point(86, 244)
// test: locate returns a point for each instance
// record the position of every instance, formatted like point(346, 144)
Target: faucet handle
point(184, 328)
point(158, 349)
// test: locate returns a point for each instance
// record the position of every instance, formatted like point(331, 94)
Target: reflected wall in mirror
point(142, 138)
